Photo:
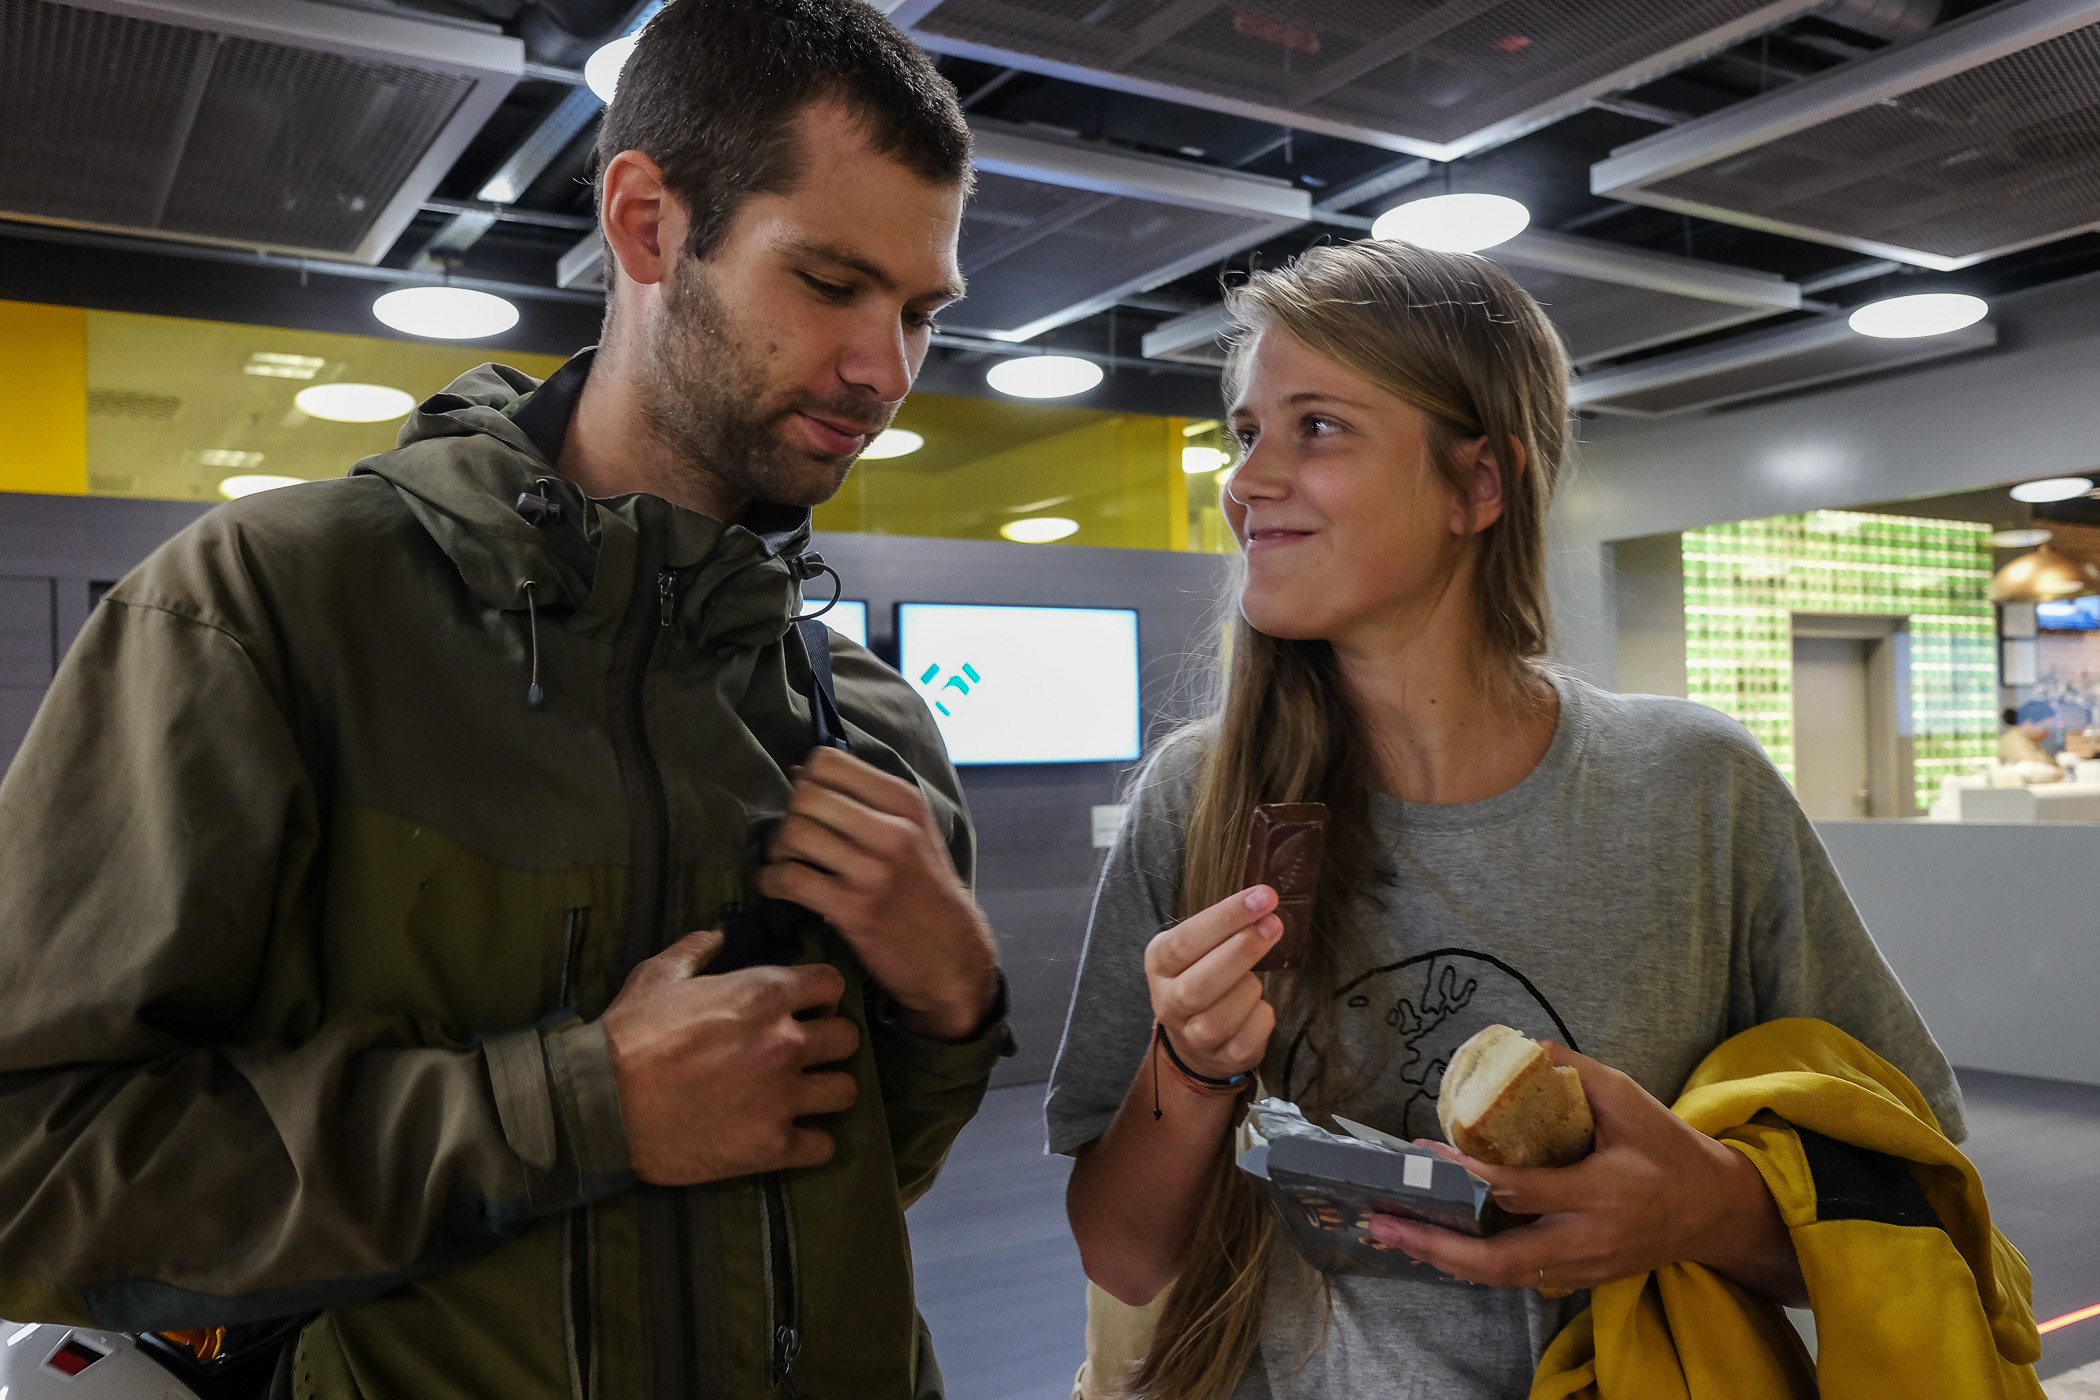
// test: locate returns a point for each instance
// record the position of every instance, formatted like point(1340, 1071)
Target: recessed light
point(354, 403)
point(2021, 539)
point(2055, 488)
point(445, 313)
point(235, 487)
point(1926, 313)
point(893, 442)
point(1197, 460)
point(226, 459)
point(1043, 376)
point(1199, 427)
point(601, 71)
point(271, 366)
point(1039, 529)
point(1454, 223)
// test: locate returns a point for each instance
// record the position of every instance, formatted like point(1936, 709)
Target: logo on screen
point(960, 683)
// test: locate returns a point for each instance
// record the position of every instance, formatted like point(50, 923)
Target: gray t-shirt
point(1651, 889)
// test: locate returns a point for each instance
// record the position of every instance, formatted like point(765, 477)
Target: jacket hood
point(465, 461)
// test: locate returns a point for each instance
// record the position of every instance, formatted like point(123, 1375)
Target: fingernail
point(1270, 929)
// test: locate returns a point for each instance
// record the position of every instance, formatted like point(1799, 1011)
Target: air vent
point(133, 405)
point(1436, 80)
point(1756, 366)
point(1973, 140)
point(274, 124)
point(1060, 229)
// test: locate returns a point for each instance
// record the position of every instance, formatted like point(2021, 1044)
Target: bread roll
point(1505, 1102)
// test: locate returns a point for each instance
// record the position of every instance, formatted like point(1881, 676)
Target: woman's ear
point(1482, 503)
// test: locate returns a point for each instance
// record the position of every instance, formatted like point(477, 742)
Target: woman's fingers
point(1188, 942)
point(1211, 1029)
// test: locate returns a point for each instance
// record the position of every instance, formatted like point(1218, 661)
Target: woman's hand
point(1204, 990)
point(1655, 1191)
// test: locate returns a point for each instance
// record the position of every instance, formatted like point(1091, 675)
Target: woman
point(1626, 876)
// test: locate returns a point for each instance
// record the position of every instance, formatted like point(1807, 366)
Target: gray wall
point(2030, 408)
point(1035, 822)
point(1994, 931)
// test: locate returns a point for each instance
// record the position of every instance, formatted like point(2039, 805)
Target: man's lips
point(834, 435)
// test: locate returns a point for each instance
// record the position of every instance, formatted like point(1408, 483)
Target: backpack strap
point(823, 698)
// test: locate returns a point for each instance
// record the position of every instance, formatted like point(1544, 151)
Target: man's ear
point(642, 222)
point(1482, 503)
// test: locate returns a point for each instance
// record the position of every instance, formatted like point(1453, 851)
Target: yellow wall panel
point(43, 398)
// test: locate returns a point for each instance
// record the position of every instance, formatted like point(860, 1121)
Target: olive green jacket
point(307, 915)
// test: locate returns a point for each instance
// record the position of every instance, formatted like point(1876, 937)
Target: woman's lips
point(1261, 541)
point(839, 439)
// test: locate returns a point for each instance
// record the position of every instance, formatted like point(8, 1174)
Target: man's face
point(772, 363)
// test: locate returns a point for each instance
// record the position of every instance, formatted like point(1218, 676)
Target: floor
point(1000, 1284)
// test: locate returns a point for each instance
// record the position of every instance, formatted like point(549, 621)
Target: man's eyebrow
point(866, 267)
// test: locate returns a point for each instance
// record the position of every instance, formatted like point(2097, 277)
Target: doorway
point(1851, 712)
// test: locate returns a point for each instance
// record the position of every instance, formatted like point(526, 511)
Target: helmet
point(47, 1361)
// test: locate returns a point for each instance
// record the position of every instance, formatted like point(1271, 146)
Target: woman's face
point(1346, 524)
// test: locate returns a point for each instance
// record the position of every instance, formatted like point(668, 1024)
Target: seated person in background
point(2025, 728)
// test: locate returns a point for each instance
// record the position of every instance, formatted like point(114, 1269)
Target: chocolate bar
point(1284, 849)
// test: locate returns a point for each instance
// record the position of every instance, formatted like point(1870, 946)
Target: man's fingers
point(819, 1094)
point(804, 987)
point(865, 783)
point(828, 1040)
point(1188, 942)
point(807, 1147)
point(682, 960)
point(800, 838)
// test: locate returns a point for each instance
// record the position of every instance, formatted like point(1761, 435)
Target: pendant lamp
point(2043, 576)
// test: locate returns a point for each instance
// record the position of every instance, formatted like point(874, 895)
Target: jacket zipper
point(783, 1322)
point(579, 1232)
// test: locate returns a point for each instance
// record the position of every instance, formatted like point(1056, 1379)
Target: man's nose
point(879, 361)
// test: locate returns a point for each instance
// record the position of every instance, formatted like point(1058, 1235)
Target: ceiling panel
point(1974, 140)
point(1433, 77)
point(273, 124)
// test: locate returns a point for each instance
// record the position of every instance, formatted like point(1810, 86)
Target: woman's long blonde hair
point(1454, 336)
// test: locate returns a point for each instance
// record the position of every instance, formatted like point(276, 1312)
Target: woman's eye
point(1319, 426)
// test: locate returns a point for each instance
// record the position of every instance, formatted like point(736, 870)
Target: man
point(347, 950)
point(2025, 728)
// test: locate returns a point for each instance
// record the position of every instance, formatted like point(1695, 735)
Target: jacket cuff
point(555, 1098)
point(956, 1063)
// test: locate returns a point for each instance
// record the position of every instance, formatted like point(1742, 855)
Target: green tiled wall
point(1743, 582)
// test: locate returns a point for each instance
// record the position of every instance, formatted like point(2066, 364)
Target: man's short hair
point(713, 88)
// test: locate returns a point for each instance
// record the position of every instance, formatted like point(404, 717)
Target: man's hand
point(861, 848)
point(1204, 991)
point(1655, 1191)
point(713, 1073)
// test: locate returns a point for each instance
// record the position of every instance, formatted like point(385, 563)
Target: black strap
point(823, 700)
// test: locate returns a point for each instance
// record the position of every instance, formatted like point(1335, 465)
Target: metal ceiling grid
point(1755, 366)
point(1977, 139)
point(1436, 78)
point(273, 124)
point(1059, 229)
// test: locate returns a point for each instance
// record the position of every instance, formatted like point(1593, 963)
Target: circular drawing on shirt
point(1410, 1017)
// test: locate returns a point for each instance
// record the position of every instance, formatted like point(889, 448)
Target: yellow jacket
point(1915, 1292)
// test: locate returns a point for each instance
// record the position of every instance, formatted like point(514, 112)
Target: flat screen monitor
point(849, 619)
point(2070, 615)
point(1025, 684)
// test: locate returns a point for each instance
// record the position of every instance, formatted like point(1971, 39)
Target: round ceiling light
point(1198, 460)
point(2056, 488)
point(1453, 223)
point(445, 313)
point(892, 442)
point(1039, 529)
point(601, 71)
point(1043, 377)
point(1926, 313)
point(2021, 539)
point(353, 403)
point(235, 487)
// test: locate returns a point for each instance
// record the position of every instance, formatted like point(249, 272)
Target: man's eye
point(832, 290)
point(921, 321)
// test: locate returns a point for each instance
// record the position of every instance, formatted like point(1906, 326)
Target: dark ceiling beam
point(512, 214)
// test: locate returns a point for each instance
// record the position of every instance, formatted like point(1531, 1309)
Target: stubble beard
point(707, 398)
